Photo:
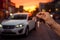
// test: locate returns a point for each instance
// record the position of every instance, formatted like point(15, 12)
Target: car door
point(31, 24)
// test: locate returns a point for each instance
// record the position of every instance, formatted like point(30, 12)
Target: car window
point(18, 17)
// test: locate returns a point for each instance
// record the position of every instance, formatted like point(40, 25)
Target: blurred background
point(31, 6)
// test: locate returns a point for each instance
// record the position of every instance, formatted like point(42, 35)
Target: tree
point(21, 8)
point(35, 12)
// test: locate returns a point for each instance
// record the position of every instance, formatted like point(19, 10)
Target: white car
point(17, 24)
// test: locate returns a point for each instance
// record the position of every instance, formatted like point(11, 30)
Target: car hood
point(14, 22)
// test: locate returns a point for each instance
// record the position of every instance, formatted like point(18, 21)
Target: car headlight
point(0, 25)
point(19, 26)
point(51, 15)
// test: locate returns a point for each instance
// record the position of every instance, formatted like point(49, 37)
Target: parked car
point(55, 15)
point(17, 24)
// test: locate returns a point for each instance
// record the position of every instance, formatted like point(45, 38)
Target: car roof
point(24, 13)
point(20, 13)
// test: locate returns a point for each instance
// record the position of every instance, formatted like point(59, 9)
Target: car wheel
point(34, 28)
point(26, 32)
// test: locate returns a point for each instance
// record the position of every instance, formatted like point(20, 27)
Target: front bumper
point(16, 31)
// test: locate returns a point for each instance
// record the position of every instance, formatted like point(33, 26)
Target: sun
point(30, 8)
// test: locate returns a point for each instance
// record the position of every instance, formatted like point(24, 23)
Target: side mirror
point(30, 18)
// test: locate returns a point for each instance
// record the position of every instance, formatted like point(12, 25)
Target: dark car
point(56, 15)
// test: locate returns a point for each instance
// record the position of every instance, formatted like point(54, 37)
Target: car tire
point(26, 32)
point(34, 28)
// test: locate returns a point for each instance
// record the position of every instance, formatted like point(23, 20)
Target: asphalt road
point(42, 32)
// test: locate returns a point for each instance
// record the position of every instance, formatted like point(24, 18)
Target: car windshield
point(18, 17)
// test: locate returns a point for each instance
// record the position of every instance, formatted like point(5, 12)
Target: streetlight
point(43, 10)
point(56, 9)
point(49, 10)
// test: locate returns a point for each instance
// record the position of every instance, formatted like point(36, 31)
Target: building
point(51, 6)
point(1, 7)
point(5, 6)
point(42, 6)
point(12, 7)
point(1, 4)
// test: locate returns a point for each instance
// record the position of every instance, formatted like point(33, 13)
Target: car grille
point(8, 33)
point(8, 26)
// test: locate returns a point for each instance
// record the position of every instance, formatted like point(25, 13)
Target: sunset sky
point(29, 2)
